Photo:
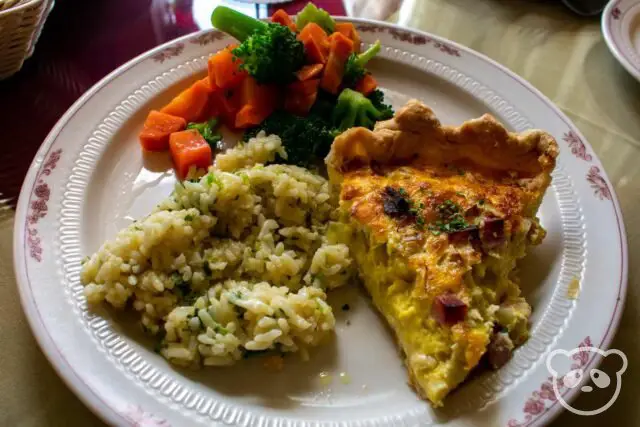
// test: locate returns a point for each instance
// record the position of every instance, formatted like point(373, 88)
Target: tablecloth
point(559, 52)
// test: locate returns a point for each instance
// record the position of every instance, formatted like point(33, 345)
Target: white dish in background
point(621, 30)
point(89, 177)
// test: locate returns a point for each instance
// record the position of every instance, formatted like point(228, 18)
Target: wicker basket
point(21, 22)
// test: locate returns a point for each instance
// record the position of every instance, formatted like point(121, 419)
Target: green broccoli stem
point(236, 24)
point(368, 54)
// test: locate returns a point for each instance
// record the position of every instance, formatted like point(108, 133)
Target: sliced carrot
point(367, 84)
point(226, 103)
point(157, 128)
point(340, 45)
point(349, 30)
point(316, 43)
point(213, 108)
point(188, 148)
point(300, 104)
point(258, 95)
point(307, 87)
point(308, 72)
point(249, 116)
point(314, 31)
point(340, 49)
point(224, 69)
point(315, 52)
point(281, 17)
point(190, 103)
point(207, 83)
point(300, 96)
point(262, 99)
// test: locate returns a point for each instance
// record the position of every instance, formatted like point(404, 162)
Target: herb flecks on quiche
point(436, 218)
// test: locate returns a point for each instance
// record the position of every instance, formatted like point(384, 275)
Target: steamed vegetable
point(257, 101)
point(307, 140)
point(311, 13)
point(366, 85)
point(309, 72)
point(339, 50)
point(281, 17)
point(225, 105)
point(154, 136)
point(354, 109)
point(224, 70)
point(188, 148)
point(208, 131)
point(190, 104)
point(377, 99)
point(355, 67)
point(316, 43)
point(300, 96)
point(349, 30)
point(269, 52)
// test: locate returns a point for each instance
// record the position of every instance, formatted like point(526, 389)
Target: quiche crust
point(436, 217)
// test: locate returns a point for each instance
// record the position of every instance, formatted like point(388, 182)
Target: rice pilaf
point(234, 261)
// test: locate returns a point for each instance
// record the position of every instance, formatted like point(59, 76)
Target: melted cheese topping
point(405, 259)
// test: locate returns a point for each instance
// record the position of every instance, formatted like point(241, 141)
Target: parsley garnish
point(397, 203)
point(451, 220)
point(208, 131)
point(188, 218)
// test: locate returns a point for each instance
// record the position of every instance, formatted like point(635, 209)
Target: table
point(562, 54)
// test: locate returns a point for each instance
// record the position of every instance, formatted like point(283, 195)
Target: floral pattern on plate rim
point(139, 418)
point(206, 38)
point(38, 207)
point(537, 403)
point(615, 13)
point(578, 148)
point(598, 183)
point(409, 37)
point(532, 408)
point(168, 53)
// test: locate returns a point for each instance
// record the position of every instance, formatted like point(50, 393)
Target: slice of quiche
point(436, 217)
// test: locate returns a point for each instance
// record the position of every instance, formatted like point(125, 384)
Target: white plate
point(88, 178)
point(621, 30)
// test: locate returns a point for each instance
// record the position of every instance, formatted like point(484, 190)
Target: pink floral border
point(38, 208)
point(594, 175)
point(537, 403)
point(206, 38)
point(598, 183)
point(578, 147)
point(409, 37)
point(168, 53)
point(139, 418)
point(615, 13)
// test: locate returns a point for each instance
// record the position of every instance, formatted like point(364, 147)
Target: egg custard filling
point(436, 218)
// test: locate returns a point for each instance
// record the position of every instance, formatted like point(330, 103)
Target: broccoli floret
point(355, 69)
point(354, 109)
point(377, 99)
point(324, 105)
point(270, 52)
point(207, 130)
point(311, 13)
point(307, 140)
